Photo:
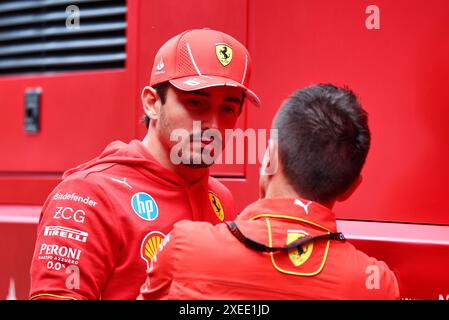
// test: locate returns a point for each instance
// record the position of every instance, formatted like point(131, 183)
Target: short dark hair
point(161, 90)
point(323, 140)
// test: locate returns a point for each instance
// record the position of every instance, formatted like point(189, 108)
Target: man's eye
point(194, 103)
point(228, 109)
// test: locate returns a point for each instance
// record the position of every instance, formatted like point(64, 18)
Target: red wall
point(400, 73)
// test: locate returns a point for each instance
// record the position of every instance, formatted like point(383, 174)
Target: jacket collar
point(135, 154)
point(164, 173)
point(290, 208)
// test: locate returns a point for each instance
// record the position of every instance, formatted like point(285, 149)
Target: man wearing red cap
point(102, 224)
point(286, 245)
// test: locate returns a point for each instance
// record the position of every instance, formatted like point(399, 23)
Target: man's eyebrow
point(199, 93)
point(233, 99)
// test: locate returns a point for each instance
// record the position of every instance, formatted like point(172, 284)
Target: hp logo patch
point(144, 205)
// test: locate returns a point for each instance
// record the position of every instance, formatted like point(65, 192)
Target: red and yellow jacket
point(102, 224)
point(201, 261)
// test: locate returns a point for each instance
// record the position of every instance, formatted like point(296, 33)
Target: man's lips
point(203, 142)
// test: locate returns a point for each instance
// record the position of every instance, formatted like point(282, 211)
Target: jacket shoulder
point(218, 187)
point(92, 173)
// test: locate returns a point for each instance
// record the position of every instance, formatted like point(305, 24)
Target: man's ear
point(151, 103)
point(270, 165)
point(270, 159)
point(345, 195)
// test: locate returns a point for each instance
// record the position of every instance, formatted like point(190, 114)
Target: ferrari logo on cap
point(216, 205)
point(224, 53)
point(295, 257)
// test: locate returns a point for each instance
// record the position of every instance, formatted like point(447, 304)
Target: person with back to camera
point(285, 245)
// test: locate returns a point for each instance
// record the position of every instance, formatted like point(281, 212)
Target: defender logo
point(144, 206)
point(74, 197)
point(224, 53)
point(55, 231)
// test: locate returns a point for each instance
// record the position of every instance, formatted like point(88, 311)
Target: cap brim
point(202, 82)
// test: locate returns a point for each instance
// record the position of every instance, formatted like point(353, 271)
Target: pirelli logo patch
point(63, 232)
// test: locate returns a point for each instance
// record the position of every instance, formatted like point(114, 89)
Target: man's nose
point(211, 121)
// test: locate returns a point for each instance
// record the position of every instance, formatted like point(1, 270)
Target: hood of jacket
point(135, 154)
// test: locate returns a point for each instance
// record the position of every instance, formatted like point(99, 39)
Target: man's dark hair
point(323, 140)
point(161, 90)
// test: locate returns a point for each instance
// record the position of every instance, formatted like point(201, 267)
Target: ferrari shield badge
point(295, 256)
point(224, 53)
point(216, 205)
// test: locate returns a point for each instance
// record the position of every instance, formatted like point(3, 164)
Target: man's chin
point(199, 160)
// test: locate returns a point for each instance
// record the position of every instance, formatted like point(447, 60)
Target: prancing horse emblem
point(224, 53)
point(216, 205)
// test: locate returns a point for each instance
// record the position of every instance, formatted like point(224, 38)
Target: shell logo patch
point(295, 257)
point(216, 205)
point(150, 246)
point(224, 53)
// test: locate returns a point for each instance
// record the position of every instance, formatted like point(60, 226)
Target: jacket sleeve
point(389, 282)
point(160, 273)
point(77, 243)
point(379, 281)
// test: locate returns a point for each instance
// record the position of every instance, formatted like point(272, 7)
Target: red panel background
point(81, 112)
point(400, 73)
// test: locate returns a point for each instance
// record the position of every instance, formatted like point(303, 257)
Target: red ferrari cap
point(202, 58)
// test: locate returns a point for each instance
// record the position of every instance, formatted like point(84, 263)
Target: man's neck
point(158, 151)
point(280, 188)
